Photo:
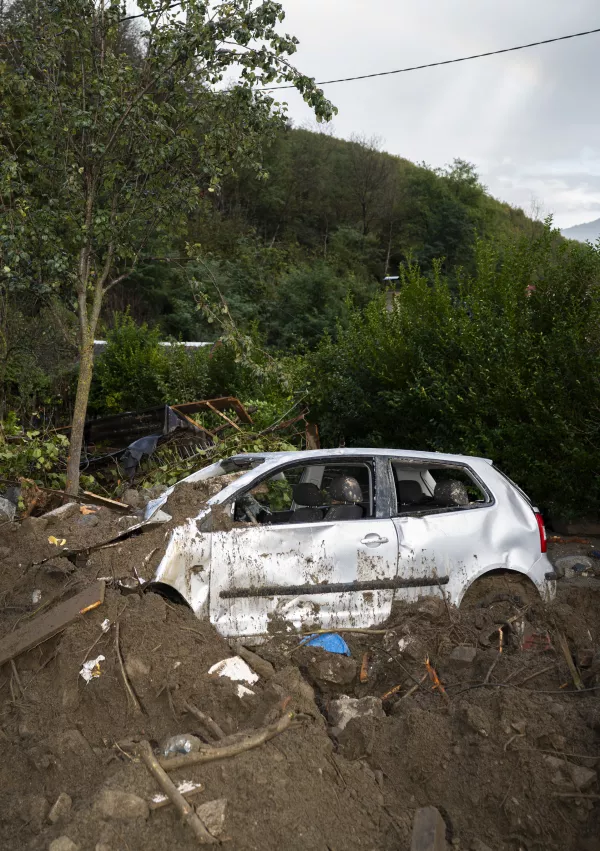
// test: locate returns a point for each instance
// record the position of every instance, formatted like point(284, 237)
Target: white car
point(331, 538)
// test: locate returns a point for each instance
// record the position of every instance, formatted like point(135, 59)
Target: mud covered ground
point(505, 747)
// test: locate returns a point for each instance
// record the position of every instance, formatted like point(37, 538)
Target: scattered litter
point(595, 554)
point(234, 668)
point(56, 542)
point(36, 596)
point(91, 669)
point(181, 744)
point(85, 509)
point(330, 641)
point(185, 788)
point(105, 625)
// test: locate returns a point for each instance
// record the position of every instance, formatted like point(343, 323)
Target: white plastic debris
point(184, 787)
point(91, 668)
point(242, 691)
point(105, 625)
point(234, 668)
point(36, 596)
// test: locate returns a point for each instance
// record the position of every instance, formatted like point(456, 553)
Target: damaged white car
point(331, 538)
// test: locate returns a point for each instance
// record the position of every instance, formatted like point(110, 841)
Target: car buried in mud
point(331, 538)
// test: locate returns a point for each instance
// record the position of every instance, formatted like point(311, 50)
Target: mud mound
point(490, 729)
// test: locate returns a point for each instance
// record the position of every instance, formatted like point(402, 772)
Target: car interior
point(420, 489)
point(310, 493)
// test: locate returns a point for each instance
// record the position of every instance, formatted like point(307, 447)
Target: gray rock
point(333, 668)
point(475, 718)
point(341, 711)
point(463, 656)
point(114, 804)
point(63, 843)
point(429, 831)
point(7, 510)
point(4, 552)
point(431, 607)
point(412, 649)
point(88, 520)
point(68, 509)
point(570, 774)
point(132, 498)
point(212, 815)
point(61, 809)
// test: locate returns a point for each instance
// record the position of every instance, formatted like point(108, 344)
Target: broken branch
point(204, 719)
point(210, 754)
point(129, 691)
point(562, 641)
point(185, 810)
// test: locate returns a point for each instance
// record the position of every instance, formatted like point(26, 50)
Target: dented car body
point(331, 538)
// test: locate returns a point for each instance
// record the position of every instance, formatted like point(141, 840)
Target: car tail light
point(541, 527)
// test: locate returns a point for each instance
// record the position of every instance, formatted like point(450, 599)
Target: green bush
point(488, 367)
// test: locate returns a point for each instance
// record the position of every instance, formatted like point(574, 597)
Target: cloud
point(526, 119)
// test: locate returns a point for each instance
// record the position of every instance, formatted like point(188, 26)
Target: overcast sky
point(528, 120)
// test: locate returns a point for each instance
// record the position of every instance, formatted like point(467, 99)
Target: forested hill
point(329, 219)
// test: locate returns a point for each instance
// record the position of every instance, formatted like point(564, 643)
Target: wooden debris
point(226, 751)
point(179, 802)
point(436, 680)
point(364, 668)
point(165, 802)
point(562, 642)
point(204, 719)
point(48, 625)
point(131, 698)
point(263, 668)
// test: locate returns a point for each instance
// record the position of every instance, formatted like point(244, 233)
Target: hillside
point(586, 232)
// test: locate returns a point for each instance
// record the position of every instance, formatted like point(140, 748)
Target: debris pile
point(125, 722)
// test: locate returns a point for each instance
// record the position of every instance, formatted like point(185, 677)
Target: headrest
point(306, 493)
point(451, 492)
point(409, 492)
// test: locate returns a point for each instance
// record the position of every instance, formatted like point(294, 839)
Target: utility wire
point(445, 62)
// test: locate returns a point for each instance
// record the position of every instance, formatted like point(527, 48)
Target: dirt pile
point(504, 747)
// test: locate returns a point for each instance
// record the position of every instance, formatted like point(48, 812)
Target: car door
point(319, 573)
point(439, 544)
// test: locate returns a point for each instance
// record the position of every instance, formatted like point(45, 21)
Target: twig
point(130, 693)
point(497, 658)
point(186, 811)
point(562, 641)
point(210, 754)
point(436, 680)
point(538, 673)
point(204, 719)
point(576, 795)
point(16, 676)
point(511, 740)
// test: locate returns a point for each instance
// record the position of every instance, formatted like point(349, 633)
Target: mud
point(484, 750)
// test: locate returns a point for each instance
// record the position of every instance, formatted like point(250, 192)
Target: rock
point(431, 607)
point(478, 845)
point(181, 744)
point(341, 711)
point(212, 815)
point(567, 773)
point(4, 551)
point(475, 718)
point(38, 812)
point(429, 831)
point(333, 668)
point(58, 567)
point(88, 520)
point(63, 843)
point(70, 742)
point(519, 727)
point(61, 809)
point(112, 803)
point(63, 512)
point(132, 498)
point(564, 566)
point(463, 656)
point(34, 524)
point(412, 649)
point(136, 668)
point(7, 510)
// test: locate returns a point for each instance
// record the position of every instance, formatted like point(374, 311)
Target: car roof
point(352, 451)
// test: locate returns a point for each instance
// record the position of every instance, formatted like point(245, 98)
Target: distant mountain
point(590, 231)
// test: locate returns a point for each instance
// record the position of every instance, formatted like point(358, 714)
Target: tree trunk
point(79, 415)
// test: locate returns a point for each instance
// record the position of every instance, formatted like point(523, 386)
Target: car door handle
point(373, 540)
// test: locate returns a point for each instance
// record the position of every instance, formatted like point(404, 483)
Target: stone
point(132, 498)
point(567, 773)
point(478, 845)
point(519, 727)
point(212, 815)
point(341, 711)
point(88, 520)
point(429, 831)
point(333, 668)
point(412, 649)
point(432, 607)
point(4, 552)
point(463, 656)
point(112, 803)
point(38, 812)
point(70, 742)
point(61, 809)
point(475, 718)
point(33, 524)
point(63, 843)
point(136, 668)
point(7, 510)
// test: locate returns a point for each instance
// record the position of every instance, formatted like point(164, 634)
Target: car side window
point(310, 493)
point(425, 488)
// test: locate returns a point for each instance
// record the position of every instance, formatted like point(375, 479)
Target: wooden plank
point(104, 501)
point(50, 624)
point(224, 416)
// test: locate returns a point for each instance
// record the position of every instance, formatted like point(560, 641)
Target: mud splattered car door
point(318, 557)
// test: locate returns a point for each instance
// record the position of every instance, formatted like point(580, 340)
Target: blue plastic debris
point(330, 641)
point(595, 553)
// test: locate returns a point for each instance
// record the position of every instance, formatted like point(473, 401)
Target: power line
point(445, 62)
